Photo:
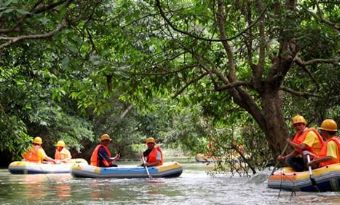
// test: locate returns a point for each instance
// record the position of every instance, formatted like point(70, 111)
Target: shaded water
point(193, 187)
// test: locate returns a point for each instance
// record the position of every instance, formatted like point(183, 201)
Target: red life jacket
point(152, 157)
point(300, 137)
point(95, 156)
point(33, 154)
point(323, 152)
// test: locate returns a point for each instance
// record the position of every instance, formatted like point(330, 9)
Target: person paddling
point(305, 139)
point(330, 152)
point(36, 153)
point(153, 154)
point(62, 154)
point(101, 156)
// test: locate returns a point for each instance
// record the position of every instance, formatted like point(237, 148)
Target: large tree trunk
point(275, 127)
point(268, 116)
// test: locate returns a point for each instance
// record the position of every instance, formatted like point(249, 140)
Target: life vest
point(62, 155)
point(33, 155)
point(152, 157)
point(323, 152)
point(95, 156)
point(300, 137)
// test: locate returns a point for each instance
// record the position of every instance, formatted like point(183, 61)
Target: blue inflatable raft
point(171, 169)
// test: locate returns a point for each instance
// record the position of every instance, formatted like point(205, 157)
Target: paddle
point(116, 158)
point(277, 163)
point(146, 168)
point(310, 174)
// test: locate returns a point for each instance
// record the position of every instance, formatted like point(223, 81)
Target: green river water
point(194, 186)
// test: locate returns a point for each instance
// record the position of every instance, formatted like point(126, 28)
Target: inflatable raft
point(25, 167)
point(322, 179)
point(167, 170)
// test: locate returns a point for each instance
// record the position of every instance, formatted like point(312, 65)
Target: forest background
point(187, 72)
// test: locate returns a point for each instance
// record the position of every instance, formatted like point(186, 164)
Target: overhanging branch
point(38, 7)
point(169, 72)
point(300, 63)
point(233, 85)
point(317, 61)
point(298, 93)
point(319, 16)
point(189, 83)
point(12, 40)
point(158, 4)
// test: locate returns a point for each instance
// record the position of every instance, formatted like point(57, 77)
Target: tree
point(31, 77)
point(245, 51)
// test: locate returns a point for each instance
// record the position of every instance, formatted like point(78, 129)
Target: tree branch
point(319, 14)
point(317, 61)
point(37, 8)
point(126, 111)
point(189, 83)
point(91, 40)
point(169, 72)
point(300, 63)
point(220, 17)
point(158, 4)
point(262, 44)
point(298, 93)
point(12, 40)
point(233, 85)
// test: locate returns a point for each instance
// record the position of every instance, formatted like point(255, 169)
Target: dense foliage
point(186, 72)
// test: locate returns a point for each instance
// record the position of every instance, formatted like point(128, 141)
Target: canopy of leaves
point(73, 70)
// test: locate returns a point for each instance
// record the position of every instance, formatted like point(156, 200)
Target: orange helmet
point(328, 125)
point(298, 119)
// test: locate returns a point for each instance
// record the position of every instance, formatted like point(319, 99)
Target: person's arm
point(116, 158)
point(25, 154)
point(103, 155)
point(157, 162)
point(66, 155)
point(293, 144)
point(291, 154)
point(45, 157)
point(310, 140)
point(319, 160)
point(331, 154)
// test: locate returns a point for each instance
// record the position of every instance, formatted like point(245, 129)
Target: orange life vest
point(152, 157)
point(323, 152)
point(33, 154)
point(63, 154)
point(300, 137)
point(95, 156)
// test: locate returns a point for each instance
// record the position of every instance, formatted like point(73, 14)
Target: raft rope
point(293, 193)
point(278, 196)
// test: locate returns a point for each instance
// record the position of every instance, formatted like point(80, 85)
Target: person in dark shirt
point(101, 156)
point(153, 156)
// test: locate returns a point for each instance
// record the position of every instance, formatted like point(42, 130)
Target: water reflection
point(193, 187)
point(33, 186)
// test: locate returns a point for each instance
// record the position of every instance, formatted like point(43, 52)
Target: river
point(194, 186)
